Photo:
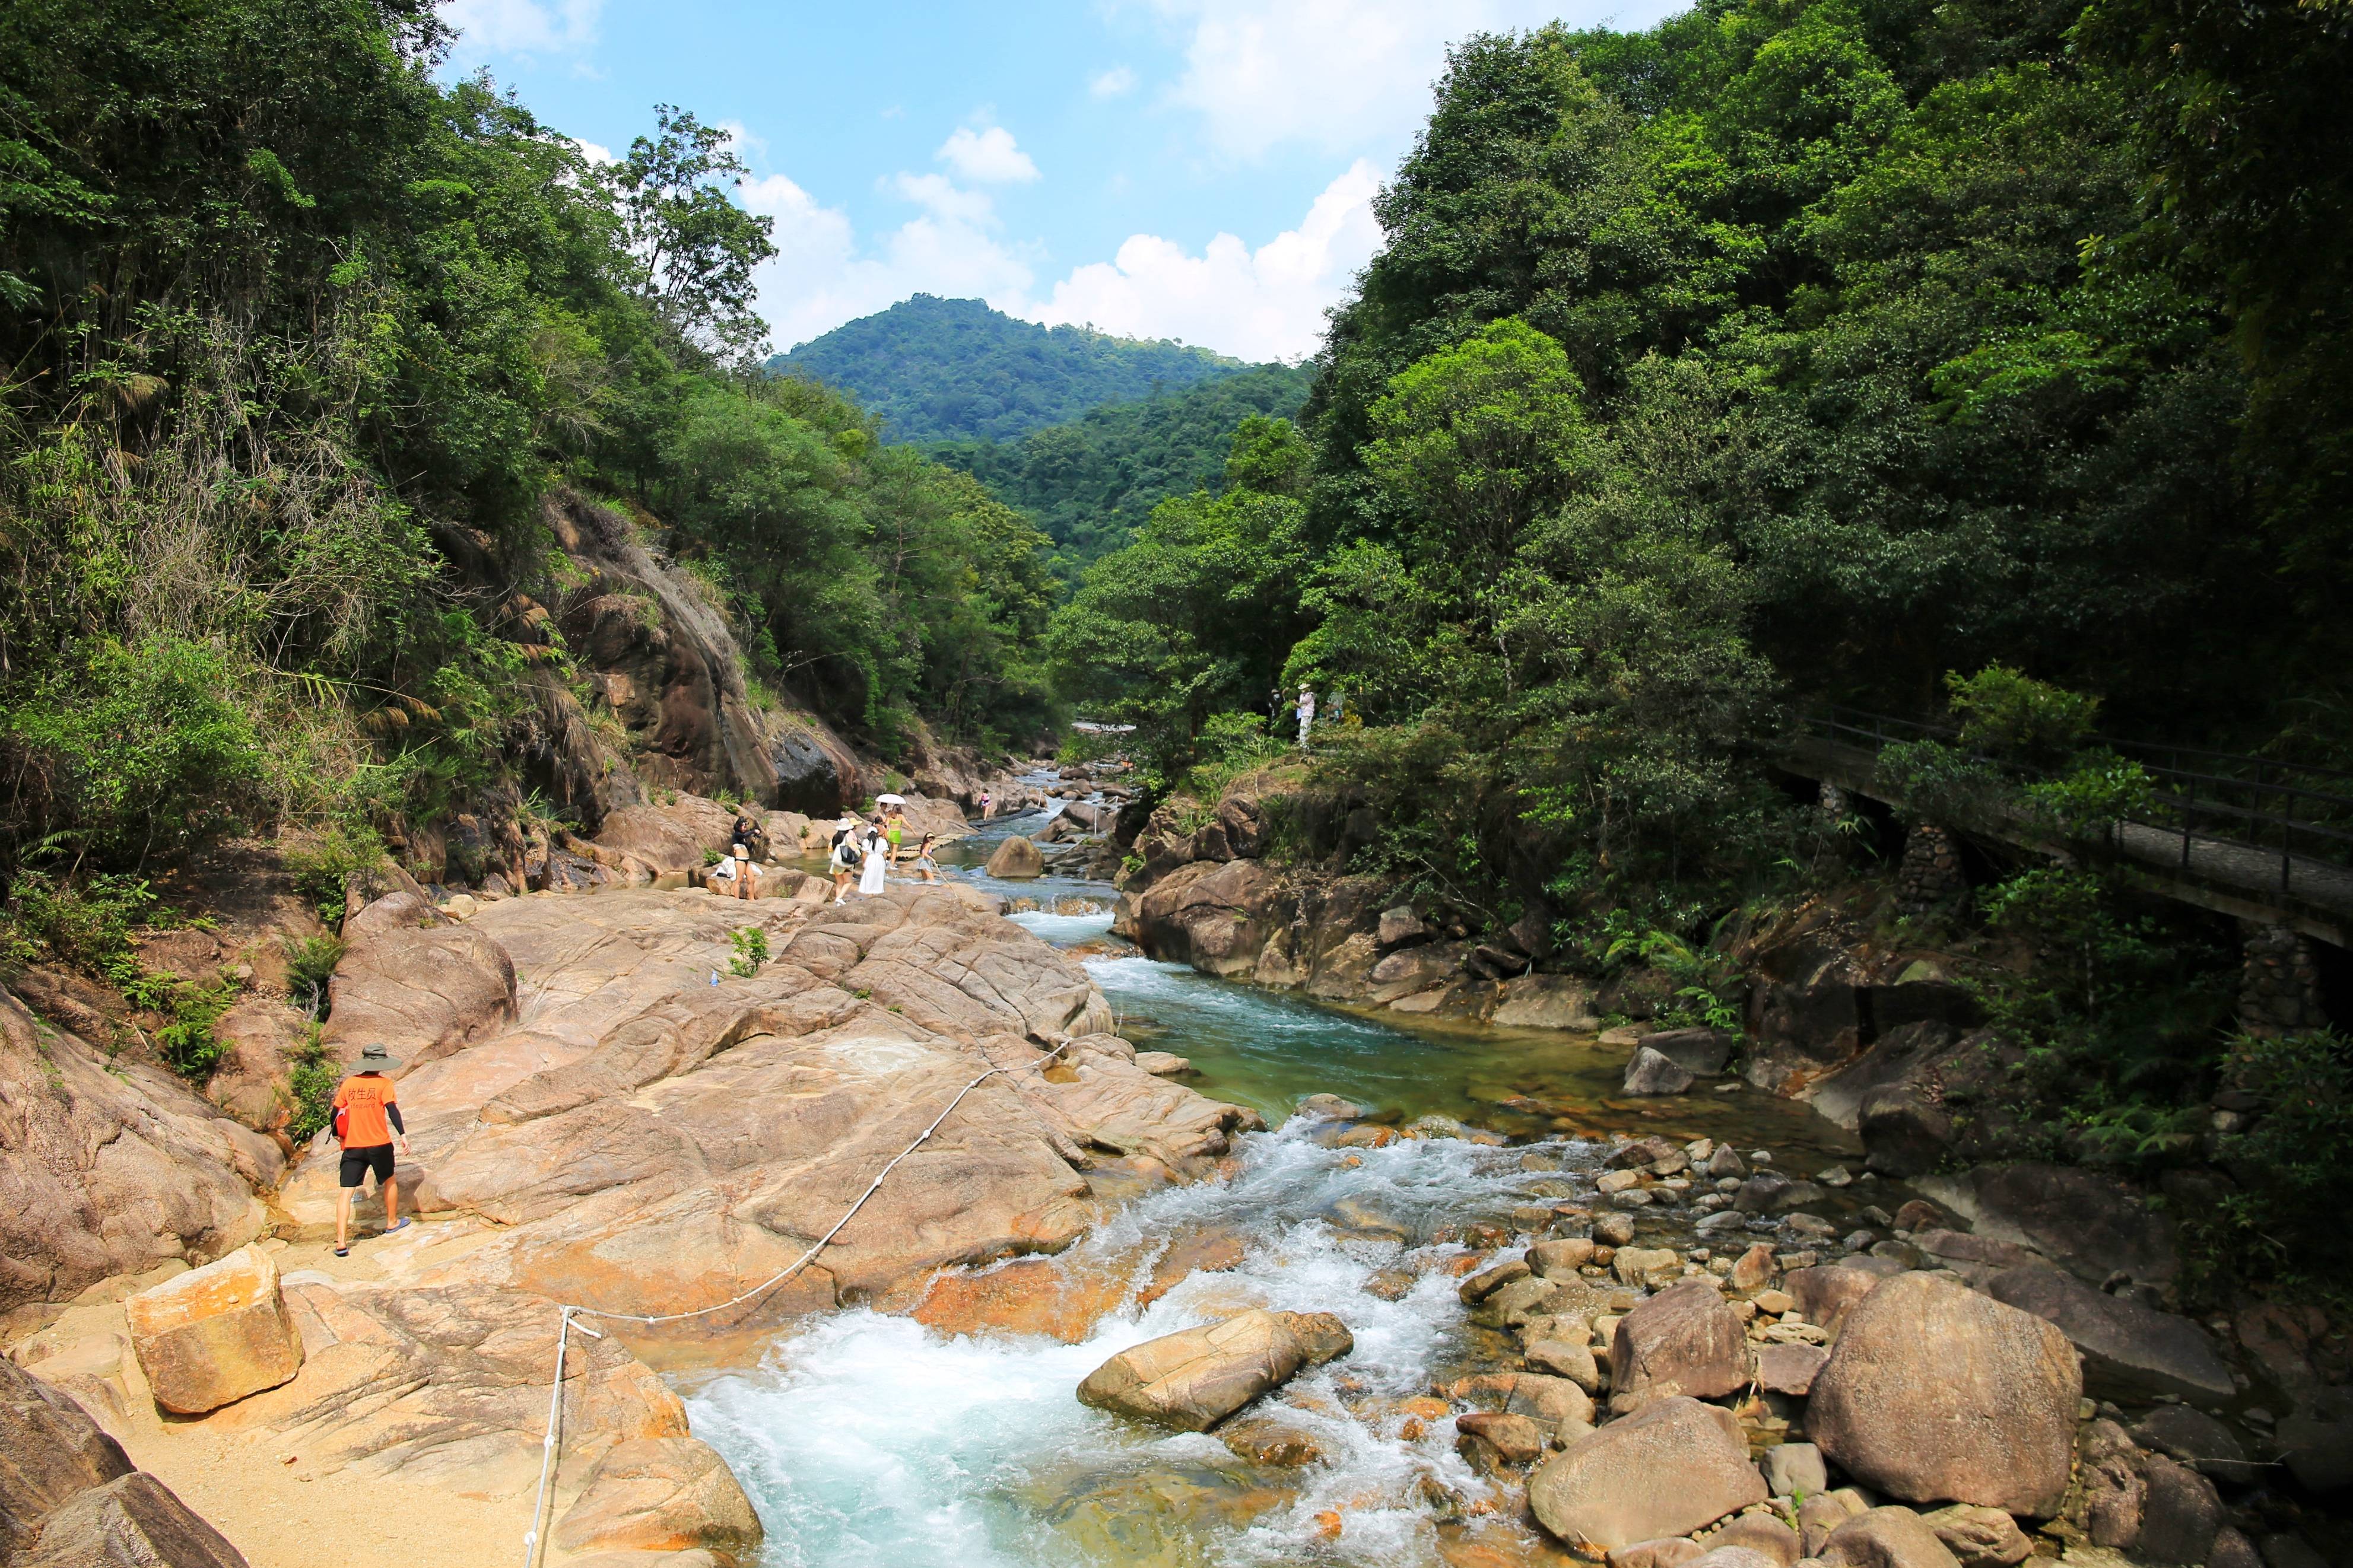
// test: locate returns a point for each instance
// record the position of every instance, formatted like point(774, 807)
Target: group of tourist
point(863, 853)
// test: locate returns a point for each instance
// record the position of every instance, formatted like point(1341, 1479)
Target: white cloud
point(1339, 75)
point(1112, 83)
point(523, 27)
point(821, 276)
point(987, 156)
point(1259, 304)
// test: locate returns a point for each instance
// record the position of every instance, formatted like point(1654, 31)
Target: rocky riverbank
point(612, 1106)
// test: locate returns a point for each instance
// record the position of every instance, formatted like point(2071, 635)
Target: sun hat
point(377, 1058)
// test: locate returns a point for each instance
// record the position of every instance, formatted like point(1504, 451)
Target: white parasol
point(889, 800)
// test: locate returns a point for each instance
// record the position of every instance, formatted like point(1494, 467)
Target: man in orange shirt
point(366, 1119)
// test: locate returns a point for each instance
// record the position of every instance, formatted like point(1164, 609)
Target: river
point(868, 1441)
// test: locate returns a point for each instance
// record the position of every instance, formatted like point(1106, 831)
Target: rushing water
point(870, 1441)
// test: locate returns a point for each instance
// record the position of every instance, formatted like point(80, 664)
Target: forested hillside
point(1091, 483)
point(954, 369)
point(301, 347)
point(1782, 353)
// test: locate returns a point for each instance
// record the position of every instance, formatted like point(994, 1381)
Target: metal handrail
point(2215, 819)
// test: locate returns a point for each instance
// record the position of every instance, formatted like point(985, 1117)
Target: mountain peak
point(945, 369)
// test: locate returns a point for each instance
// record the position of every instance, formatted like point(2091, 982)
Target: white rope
point(549, 1445)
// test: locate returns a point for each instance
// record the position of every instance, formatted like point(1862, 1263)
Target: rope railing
point(569, 1313)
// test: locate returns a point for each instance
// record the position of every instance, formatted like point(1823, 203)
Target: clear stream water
point(868, 1441)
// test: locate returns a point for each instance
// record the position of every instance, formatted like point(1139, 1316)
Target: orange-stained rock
point(215, 1334)
point(663, 1494)
point(1030, 1296)
point(1206, 1252)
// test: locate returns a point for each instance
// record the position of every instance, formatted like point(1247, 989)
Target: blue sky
point(1198, 169)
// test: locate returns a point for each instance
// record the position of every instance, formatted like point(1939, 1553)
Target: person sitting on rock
point(926, 866)
point(368, 1116)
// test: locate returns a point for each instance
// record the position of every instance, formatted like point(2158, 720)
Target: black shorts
point(358, 1162)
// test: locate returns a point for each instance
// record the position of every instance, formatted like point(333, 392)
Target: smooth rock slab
point(2128, 1348)
point(1934, 1394)
point(662, 1494)
point(215, 1334)
point(1193, 1379)
point(1606, 1491)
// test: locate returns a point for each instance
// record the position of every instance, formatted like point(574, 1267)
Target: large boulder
point(1829, 1293)
point(215, 1334)
point(1214, 915)
point(2129, 1350)
point(1886, 1538)
point(1015, 859)
point(1547, 1001)
point(1195, 1378)
point(1934, 1394)
point(1699, 1052)
point(423, 990)
point(1649, 1072)
point(1610, 1490)
point(137, 1522)
point(69, 1497)
point(112, 1166)
point(1684, 1340)
point(664, 1494)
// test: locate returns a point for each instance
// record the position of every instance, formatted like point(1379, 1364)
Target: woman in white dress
point(877, 857)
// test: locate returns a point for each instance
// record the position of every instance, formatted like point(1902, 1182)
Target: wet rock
point(1760, 1533)
point(2180, 1515)
point(1919, 1213)
point(1331, 1107)
point(1193, 1379)
point(1726, 1161)
point(1270, 1440)
point(1652, 1073)
point(1488, 1280)
point(1639, 1152)
point(1550, 1401)
point(662, 1494)
point(1979, 1537)
point(1016, 859)
point(135, 1520)
point(1613, 1229)
point(1603, 1492)
point(1028, 1296)
point(1164, 1064)
point(1761, 1193)
point(1560, 1260)
point(2128, 1348)
point(1493, 1441)
point(1212, 1251)
point(1886, 1538)
point(1934, 1394)
point(1686, 1339)
point(215, 1334)
point(1789, 1369)
point(1795, 1469)
point(1699, 1052)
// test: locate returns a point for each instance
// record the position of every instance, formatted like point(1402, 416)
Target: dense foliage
point(1778, 352)
point(298, 342)
point(954, 369)
point(1091, 483)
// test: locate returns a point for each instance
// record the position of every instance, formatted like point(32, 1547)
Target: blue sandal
point(402, 1226)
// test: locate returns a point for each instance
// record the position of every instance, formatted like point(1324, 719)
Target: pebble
point(1836, 1176)
point(1857, 1240)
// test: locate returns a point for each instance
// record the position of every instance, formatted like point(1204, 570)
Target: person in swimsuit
point(367, 1120)
point(926, 866)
